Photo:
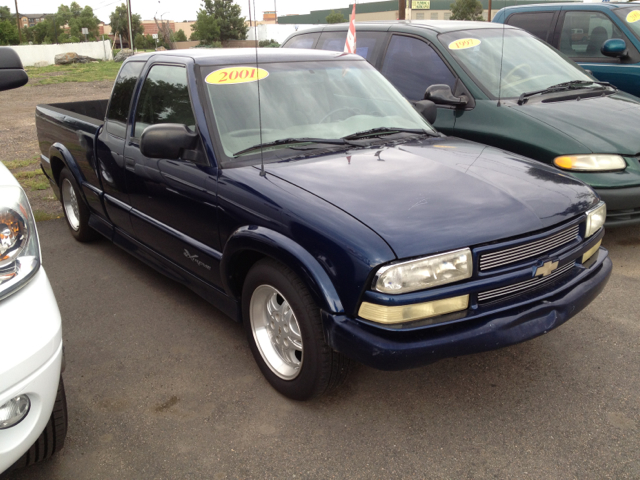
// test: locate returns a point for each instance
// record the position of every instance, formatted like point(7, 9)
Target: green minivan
point(502, 86)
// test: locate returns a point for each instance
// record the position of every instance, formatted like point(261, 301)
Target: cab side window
point(116, 120)
point(164, 99)
point(412, 65)
point(367, 46)
point(302, 41)
point(583, 34)
point(538, 24)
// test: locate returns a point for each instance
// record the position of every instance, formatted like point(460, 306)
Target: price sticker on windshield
point(633, 16)
point(464, 43)
point(233, 75)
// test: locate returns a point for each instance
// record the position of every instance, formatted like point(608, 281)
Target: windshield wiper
point(572, 85)
point(374, 132)
point(289, 141)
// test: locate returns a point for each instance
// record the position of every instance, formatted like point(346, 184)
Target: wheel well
point(56, 167)
point(240, 266)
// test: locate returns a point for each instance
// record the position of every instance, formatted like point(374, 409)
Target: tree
point(219, 21)
point(77, 18)
point(120, 23)
point(180, 36)
point(268, 44)
point(466, 10)
point(8, 28)
point(335, 17)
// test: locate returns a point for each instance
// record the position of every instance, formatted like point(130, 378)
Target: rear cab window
point(368, 44)
point(307, 40)
point(118, 110)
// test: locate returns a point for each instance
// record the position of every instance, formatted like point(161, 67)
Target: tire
point(285, 334)
point(76, 211)
point(51, 440)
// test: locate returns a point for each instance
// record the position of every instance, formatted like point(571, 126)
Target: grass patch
point(42, 216)
point(29, 174)
point(15, 164)
point(39, 182)
point(77, 72)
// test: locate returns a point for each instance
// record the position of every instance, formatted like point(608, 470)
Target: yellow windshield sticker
point(464, 43)
point(633, 16)
point(232, 75)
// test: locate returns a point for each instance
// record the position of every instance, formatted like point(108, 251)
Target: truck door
point(174, 201)
point(110, 147)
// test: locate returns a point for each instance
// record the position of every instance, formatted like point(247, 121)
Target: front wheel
point(284, 330)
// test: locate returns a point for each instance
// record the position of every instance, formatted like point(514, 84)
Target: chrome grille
point(526, 285)
point(528, 250)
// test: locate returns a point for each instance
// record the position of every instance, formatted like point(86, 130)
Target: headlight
point(425, 272)
point(19, 247)
point(590, 163)
point(595, 219)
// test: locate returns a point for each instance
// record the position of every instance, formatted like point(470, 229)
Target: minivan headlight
point(595, 219)
point(424, 272)
point(590, 163)
point(19, 246)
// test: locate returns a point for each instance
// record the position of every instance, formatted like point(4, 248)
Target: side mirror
point(440, 94)
point(427, 109)
point(167, 140)
point(12, 75)
point(614, 47)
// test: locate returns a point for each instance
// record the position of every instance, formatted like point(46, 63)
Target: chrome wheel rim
point(276, 332)
point(70, 204)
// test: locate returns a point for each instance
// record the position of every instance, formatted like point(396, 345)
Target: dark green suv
point(502, 86)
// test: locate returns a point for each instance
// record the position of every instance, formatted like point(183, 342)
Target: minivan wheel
point(51, 440)
point(284, 330)
point(75, 209)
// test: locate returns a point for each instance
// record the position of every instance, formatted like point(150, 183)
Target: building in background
point(31, 19)
point(388, 10)
point(150, 26)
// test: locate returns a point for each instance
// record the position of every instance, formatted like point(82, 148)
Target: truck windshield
point(524, 63)
point(631, 18)
point(302, 100)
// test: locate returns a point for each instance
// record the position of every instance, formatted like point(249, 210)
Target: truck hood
point(440, 194)
point(602, 124)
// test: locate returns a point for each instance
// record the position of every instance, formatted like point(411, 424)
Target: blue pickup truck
point(305, 197)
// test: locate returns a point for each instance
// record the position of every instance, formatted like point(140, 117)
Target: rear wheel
point(51, 440)
point(284, 330)
point(75, 209)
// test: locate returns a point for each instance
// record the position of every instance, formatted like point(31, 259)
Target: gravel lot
point(161, 385)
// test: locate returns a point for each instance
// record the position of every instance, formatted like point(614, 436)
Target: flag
point(350, 44)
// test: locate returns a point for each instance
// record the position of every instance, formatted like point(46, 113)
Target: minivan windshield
point(523, 62)
point(302, 100)
point(631, 18)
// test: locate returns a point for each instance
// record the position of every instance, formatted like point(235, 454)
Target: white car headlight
point(590, 163)
point(424, 272)
point(19, 246)
point(595, 219)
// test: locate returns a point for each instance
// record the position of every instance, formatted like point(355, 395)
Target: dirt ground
point(18, 136)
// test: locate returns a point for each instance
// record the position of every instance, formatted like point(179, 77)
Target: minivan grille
point(528, 250)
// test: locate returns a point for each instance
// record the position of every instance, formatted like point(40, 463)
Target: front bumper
point(396, 350)
point(623, 205)
point(30, 362)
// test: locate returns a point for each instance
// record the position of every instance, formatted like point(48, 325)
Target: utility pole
point(275, 10)
point(402, 9)
point(489, 14)
point(18, 22)
point(130, 31)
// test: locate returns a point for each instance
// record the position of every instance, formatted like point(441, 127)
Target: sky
point(177, 10)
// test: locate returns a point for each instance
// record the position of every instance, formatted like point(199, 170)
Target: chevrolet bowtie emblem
point(546, 269)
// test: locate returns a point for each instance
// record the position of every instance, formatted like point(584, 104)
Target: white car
point(33, 408)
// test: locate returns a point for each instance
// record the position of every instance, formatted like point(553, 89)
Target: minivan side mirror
point(12, 75)
point(441, 94)
point(614, 47)
point(427, 109)
point(167, 140)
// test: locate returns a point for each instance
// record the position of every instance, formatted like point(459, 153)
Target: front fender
point(265, 242)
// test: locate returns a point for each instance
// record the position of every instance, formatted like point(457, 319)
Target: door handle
point(130, 164)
